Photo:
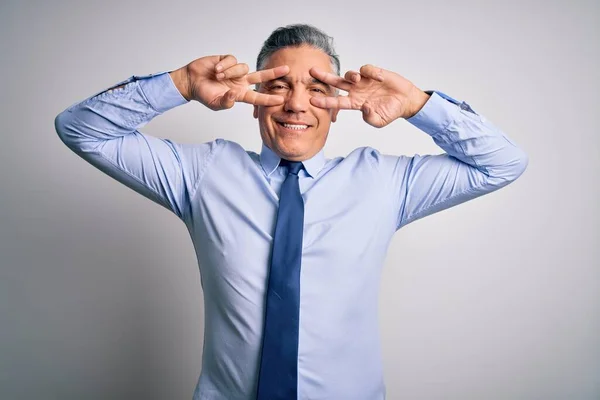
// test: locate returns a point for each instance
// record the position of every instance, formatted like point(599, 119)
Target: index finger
point(336, 103)
point(266, 75)
point(330, 79)
point(261, 99)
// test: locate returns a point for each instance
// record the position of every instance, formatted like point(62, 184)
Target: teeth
point(296, 127)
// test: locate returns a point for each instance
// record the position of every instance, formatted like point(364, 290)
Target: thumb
point(371, 117)
point(228, 99)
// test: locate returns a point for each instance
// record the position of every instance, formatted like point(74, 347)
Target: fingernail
point(220, 76)
point(219, 68)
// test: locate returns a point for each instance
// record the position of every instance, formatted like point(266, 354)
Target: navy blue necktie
point(278, 376)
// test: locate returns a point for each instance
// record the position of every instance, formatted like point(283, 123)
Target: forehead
point(300, 60)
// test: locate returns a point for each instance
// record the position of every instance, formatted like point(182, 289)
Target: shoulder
point(214, 146)
point(364, 157)
point(374, 160)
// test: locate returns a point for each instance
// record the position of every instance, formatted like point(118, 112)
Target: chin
point(290, 150)
point(291, 155)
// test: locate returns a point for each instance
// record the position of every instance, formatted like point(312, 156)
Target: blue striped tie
point(278, 376)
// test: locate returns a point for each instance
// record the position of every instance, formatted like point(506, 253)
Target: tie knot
point(293, 167)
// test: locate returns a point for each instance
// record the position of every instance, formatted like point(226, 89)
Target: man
point(290, 244)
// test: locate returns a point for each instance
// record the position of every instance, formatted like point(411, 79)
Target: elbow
point(68, 131)
point(62, 126)
point(519, 165)
point(511, 170)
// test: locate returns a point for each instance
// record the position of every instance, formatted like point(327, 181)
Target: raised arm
point(103, 129)
point(479, 158)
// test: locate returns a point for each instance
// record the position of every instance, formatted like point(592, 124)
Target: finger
point(352, 76)
point(266, 75)
point(371, 117)
point(330, 79)
point(226, 61)
point(336, 103)
point(228, 99)
point(237, 71)
point(371, 71)
point(261, 99)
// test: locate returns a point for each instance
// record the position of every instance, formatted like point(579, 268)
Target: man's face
point(296, 130)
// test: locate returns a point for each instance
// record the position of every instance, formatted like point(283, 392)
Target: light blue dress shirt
point(228, 198)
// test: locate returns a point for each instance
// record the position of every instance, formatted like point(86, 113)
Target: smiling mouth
point(293, 127)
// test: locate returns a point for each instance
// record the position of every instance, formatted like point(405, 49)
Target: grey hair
point(296, 36)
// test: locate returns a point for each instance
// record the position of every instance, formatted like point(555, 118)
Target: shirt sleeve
point(479, 159)
point(103, 130)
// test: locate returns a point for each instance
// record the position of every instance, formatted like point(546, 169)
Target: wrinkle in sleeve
point(478, 159)
point(103, 131)
point(159, 169)
point(425, 184)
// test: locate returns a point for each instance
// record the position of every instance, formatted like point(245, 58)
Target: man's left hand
point(382, 96)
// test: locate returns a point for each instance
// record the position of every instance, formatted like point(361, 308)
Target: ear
point(255, 112)
point(334, 114)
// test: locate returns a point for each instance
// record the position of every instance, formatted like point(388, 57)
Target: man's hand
point(219, 81)
point(382, 96)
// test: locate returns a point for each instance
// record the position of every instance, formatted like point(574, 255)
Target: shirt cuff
point(435, 115)
point(160, 91)
point(438, 112)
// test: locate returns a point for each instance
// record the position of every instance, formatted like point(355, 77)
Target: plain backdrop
point(496, 299)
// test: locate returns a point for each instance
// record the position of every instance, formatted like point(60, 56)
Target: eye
point(277, 87)
point(319, 90)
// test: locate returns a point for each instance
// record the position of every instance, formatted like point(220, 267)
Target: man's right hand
point(219, 81)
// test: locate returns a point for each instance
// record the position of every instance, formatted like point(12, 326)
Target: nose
point(297, 101)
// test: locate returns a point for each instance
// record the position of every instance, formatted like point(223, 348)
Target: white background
point(498, 298)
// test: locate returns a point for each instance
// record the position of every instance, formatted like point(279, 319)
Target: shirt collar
point(270, 161)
